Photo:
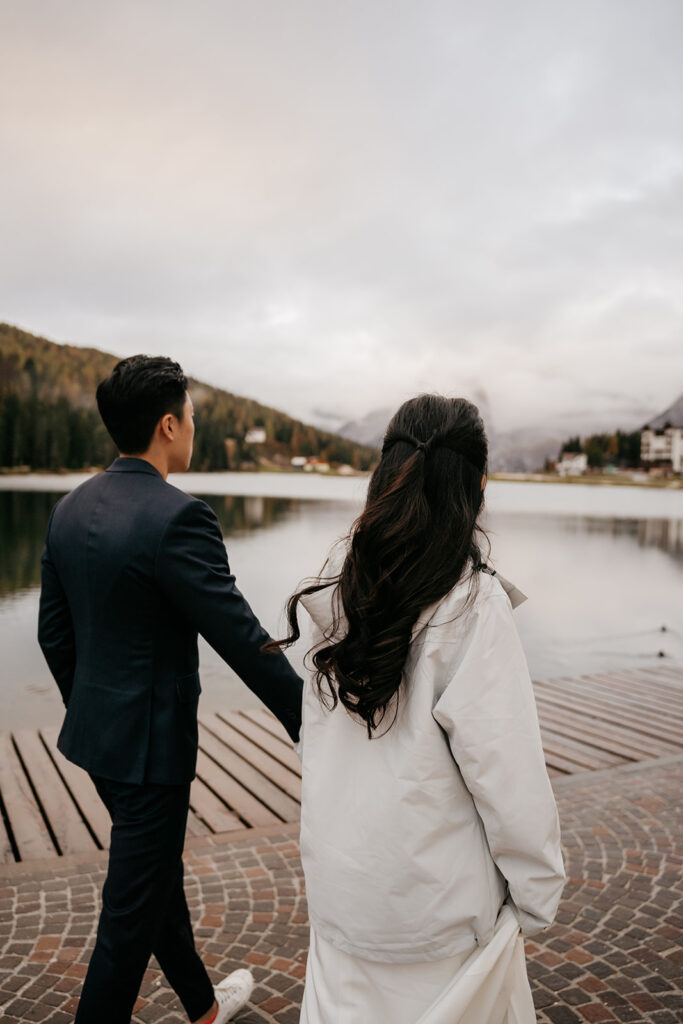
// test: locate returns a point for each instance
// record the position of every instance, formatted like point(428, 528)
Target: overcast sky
point(329, 206)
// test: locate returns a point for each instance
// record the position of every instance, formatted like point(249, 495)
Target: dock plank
point(560, 764)
point(641, 703)
point(657, 679)
point(666, 672)
point(288, 781)
point(6, 850)
point(608, 737)
point(610, 711)
point(253, 812)
point(606, 712)
point(66, 822)
point(282, 752)
point(26, 821)
point(268, 721)
point(631, 695)
point(82, 789)
point(195, 825)
point(588, 757)
point(657, 695)
point(211, 810)
point(250, 777)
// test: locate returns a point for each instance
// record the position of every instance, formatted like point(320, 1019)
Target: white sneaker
point(233, 993)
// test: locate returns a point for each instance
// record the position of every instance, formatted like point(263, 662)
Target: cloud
point(324, 205)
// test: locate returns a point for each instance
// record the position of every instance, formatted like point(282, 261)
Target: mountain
point(524, 450)
point(369, 429)
point(504, 453)
point(518, 450)
point(49, 419)
point(671, 417)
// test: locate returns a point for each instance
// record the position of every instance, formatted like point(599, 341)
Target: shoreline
point(9, 476)
point(599, 480)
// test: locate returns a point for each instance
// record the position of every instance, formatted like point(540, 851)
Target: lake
point(602, 568)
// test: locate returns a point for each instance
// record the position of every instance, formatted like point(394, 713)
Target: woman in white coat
point(429, 833)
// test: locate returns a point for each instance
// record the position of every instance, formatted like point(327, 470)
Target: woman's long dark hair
point(407, 549)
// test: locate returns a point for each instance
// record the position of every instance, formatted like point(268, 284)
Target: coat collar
point(515, 595)
point(130, 464)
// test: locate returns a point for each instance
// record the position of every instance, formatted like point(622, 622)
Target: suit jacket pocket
point(188, 687)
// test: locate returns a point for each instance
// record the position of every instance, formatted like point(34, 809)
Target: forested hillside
point(49, 419)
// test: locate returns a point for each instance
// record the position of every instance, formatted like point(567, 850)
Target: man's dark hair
point(134, 397)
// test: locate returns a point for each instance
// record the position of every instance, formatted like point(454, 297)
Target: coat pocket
point(188, 688)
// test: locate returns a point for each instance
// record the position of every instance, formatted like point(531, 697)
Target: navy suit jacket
point(132, 570)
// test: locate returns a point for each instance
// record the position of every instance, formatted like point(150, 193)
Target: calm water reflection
point(604, 592)
point(24, 516)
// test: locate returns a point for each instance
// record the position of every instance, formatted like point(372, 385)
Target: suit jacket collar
point(130, 464)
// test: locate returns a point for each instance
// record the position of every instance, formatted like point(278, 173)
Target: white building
point(255, 435)
point(662, 448)
point(661, 440)
point(573, 464)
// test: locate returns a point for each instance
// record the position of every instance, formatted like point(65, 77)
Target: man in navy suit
point(133, 570)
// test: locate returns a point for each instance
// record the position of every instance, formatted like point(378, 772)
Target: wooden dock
point(249, 776)
point(603, 720)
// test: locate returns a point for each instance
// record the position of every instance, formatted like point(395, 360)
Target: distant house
point(315, 465)
point(573, 464)
point(311, 464)
point(255, 435)
point(661, 440)
point(662, 448)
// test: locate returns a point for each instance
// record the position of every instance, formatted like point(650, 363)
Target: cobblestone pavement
point(615, 952)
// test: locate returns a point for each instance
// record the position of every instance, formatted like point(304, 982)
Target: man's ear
point(167, 425)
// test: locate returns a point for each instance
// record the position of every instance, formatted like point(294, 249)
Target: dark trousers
point(144, 910)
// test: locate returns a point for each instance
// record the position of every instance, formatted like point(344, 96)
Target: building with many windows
point(662, 449)
point(661, 441)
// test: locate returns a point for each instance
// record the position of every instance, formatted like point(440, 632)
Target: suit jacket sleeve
point(193, 571)
point(55, 627)
point(489, 714)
